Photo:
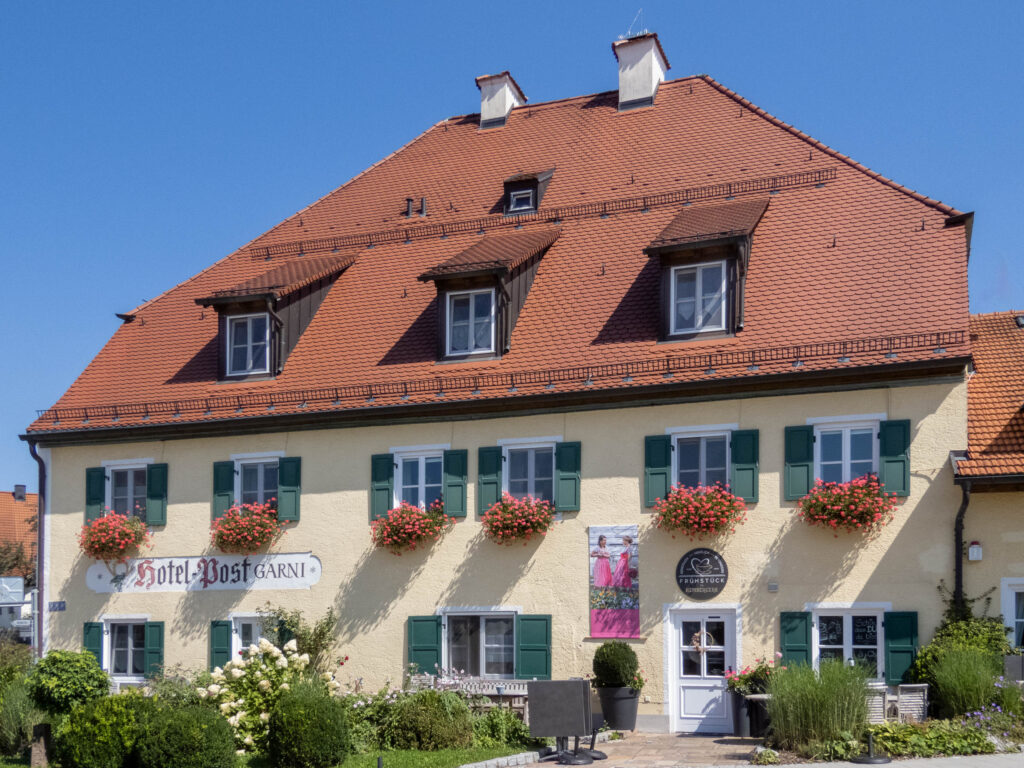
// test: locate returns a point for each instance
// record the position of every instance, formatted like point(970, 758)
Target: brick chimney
point(642, 67)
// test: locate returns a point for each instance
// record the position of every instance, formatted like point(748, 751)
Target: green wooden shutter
point(289, 488)
point(894, 456)
point(456, 472)
point(284, 634)
point(424, 643)
point(795, 637)
point(223, 487)
point(900, 644)
point(220, 643)
point(743, 474)
point(154, 648)
point(567, 477)
point(799, 470)
point(533, 647)
point(657, 468)
point(382, 484)
point(156, 494)
point(95, 492)
point(488, 479)
point(92, 639)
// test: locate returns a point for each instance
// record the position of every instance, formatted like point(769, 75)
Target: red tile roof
point(843, 259)
point(14, 520)
point(501, 251)
point(288, 278)
point(995, 397)
point(708, 222)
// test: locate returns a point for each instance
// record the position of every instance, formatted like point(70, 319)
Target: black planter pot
point(740, 715)
point(757, 710)
point(618, 705)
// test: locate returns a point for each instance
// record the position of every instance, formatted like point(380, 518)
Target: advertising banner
point(614, 581)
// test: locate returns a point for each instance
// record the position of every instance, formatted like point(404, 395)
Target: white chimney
point(642, 66)
point(499, 95)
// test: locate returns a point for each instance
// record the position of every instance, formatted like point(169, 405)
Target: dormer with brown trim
point(261, 320)
point(524, 191)
point(704, 253)
point(481, 291)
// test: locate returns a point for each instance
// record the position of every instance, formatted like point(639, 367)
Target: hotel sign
point(701, 574)
point(299, 570)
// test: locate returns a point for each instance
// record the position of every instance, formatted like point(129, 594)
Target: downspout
point(40, 558)
point(959, 603)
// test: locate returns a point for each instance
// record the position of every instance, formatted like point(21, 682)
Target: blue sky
point(139, 142)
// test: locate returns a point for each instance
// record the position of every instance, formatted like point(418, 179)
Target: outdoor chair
point(912, 702)
point(878, 700)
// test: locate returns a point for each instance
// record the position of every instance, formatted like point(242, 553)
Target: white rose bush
point(247, 688)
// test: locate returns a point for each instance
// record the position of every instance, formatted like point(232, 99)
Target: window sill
point(245, 378)
point(716, 333)
point(475, 357)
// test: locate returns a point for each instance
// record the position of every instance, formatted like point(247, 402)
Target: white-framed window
point(419, 476)
point(126, 486)
point(470, 326)
point(246, 630)
point(480, 643)
point(124, 648)
point(844, 451)
point(851, 635)
point(521, 201)
point(698, 298)
point(529, 468)
point(701, 454)
point(248, 344)
point(1012, 604)
point(256, 477)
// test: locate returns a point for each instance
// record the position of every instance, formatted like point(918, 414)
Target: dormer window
point(520, 202)
point(248, 344)
point(470, 322)
point(699, 298)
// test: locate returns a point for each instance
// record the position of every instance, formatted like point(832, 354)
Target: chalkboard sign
point(559, 708)
point(702, 574)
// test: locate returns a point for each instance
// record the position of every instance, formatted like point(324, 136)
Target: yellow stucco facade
point(375, 592)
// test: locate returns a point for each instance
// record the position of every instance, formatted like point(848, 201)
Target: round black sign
point(702, 574)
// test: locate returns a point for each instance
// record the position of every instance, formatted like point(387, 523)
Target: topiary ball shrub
point(615, 665)
point(192, 736)
point(103, 733)
point(308, 729)
point(63, 679)
point(432, 720)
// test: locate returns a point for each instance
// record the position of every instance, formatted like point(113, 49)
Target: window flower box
point(699, 512)
point(245, 529)
point(859, 506)
point(407, 527)
point(512, 520)
point(113, 538)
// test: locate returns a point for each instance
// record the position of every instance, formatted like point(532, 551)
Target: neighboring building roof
point(503, 251)
point(995, 398)
point(14, 520)
point(847, 270)
point(709, 222)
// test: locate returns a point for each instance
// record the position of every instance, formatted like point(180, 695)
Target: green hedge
point(308, 729)
point(187, 737)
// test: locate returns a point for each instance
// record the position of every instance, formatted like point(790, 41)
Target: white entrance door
point(705, 648)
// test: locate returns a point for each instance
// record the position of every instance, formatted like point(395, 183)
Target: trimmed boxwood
point(615, 665)
point(308, 729)
point(103, 733)
point(192, 736)
point(432, 720)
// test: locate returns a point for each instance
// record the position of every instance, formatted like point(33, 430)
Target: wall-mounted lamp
point(974, 551)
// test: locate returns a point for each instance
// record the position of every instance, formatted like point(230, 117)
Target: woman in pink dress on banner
point(602, 567)
point(621, 577)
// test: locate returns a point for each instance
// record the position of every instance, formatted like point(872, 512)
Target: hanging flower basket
point(512, 520)
point(859, 506)
point(407, 527)
point(246, 528)
point(704, 511)
point(113, 538)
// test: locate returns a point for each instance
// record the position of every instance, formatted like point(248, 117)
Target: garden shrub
point(981, 633)
point(500, 727)
point(308, 729)
point(373, 718)
point(15, 659)
point(808, 707)
point(431, 720)
point(63, 679)
point(17, 717)
point(186, 737)
point(315, 638)
point(177, 686)
point(615, 665)
point(103, 733)
point(964, 680)
point(935, 737)
point(1009, 698)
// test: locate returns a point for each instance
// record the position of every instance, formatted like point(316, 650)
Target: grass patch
point(400, 758)
point(13, 762)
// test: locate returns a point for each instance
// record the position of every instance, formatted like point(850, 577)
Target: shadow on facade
point(377, 582)
point(488, 572)
point(197, 609)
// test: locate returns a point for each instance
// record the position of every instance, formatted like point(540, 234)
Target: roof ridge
point(929, 201)
point(997, 313)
